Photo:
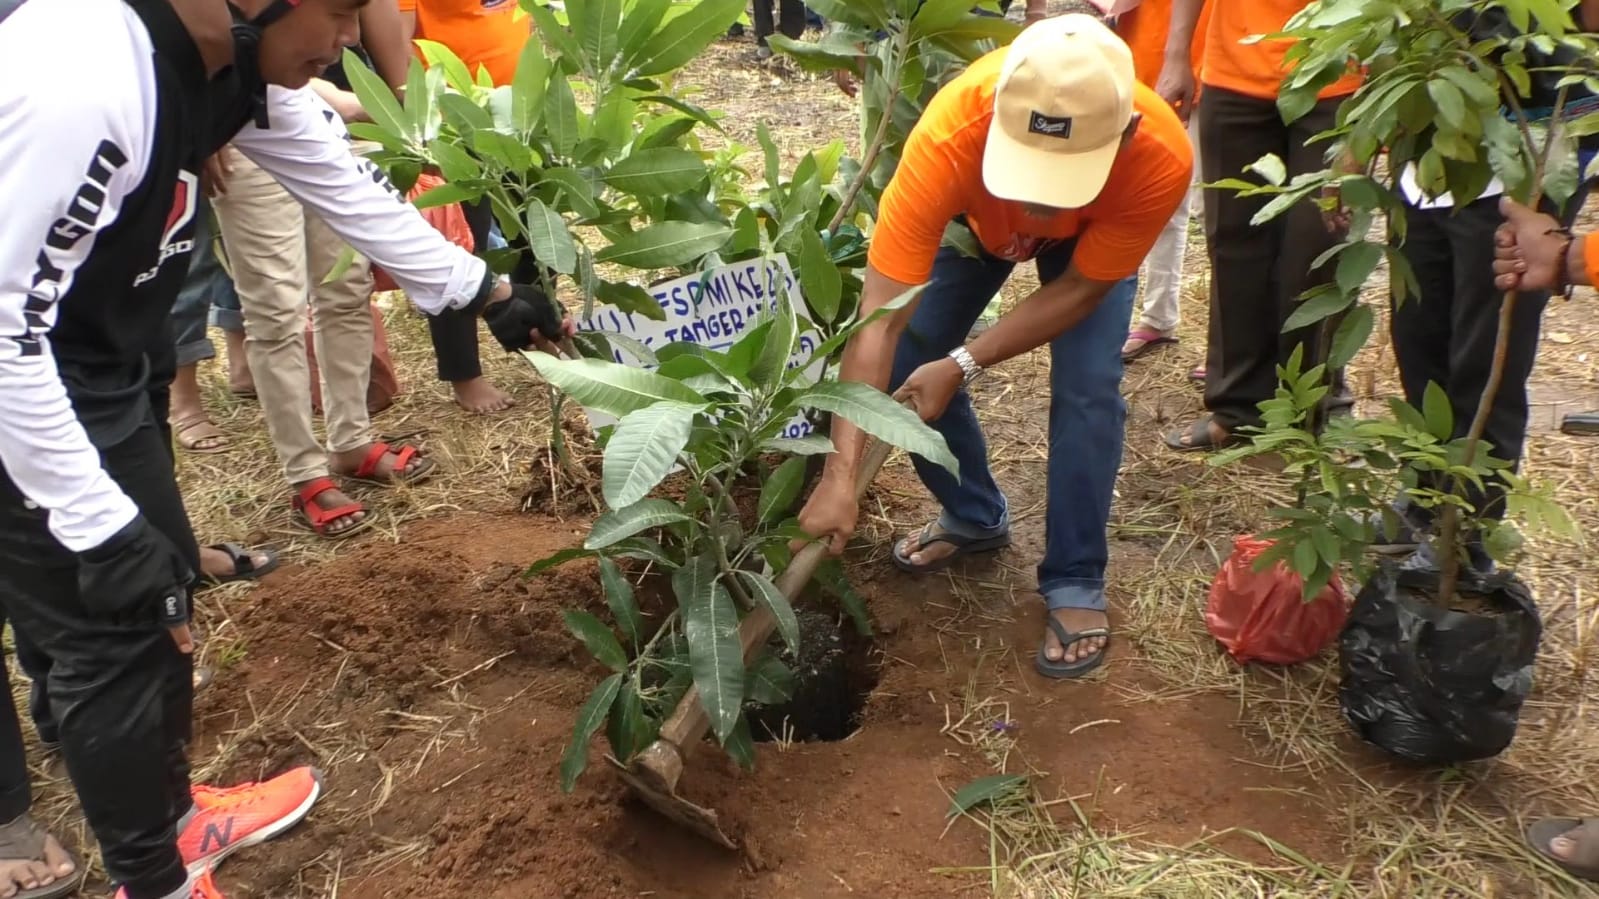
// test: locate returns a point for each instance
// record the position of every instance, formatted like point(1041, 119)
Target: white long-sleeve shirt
point(102, 133)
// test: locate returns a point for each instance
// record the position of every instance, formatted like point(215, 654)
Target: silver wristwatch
point(968, 365)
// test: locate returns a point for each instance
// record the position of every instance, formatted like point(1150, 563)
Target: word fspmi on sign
point(712, 308)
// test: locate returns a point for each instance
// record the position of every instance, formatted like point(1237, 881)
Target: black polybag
point(1434, 685)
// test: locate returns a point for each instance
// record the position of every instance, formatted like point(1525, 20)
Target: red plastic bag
point(449, 220)
point(1262, 615)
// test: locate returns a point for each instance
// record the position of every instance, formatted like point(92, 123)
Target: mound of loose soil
point(437, 688)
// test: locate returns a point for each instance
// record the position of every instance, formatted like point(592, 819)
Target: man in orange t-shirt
point(1258, 273)
point(1050, 151)
point(483, 33)
point(1144, 29)
point(487, 34)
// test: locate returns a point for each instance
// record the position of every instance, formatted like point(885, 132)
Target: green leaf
point(595, 24)
point(644, 449)
point(874, 412)
point(629, 729)
point(555, 559)
point(528, 86)
point(780, 490)
point(440, 56)
point(829, 54)
point(619, 596)
point(455, 164)
point(666, 245)
point(740, 746)
point(658, 172)
point(819, 278)
point(551, 32)
point(769, 682)
point(377, 98)
point(589, 720)
point(985, 789)
point(1271, 168)
point(937, 16)
point(611, 388)
point(763, 591)
point(443, 195)
point(552, 242)
point(560, 114)
point(620, 524)
point(1304, 558)
point(776, 344)
point(710, 623)
point(631, 298)
point(1355, 265)
point(644, 549)
point(597, 637)
point(686, 37)
point(578, 191)
point(638, 24)
point(421, 85)
point(830, 574)
point(1317, 307)
point(809, 445)
point(1438, 411)
point(1351, 335)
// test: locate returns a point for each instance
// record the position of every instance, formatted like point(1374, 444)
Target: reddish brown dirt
point(442, 779)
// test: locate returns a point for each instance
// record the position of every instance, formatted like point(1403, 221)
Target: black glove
point(136, 577)
point(513, 321)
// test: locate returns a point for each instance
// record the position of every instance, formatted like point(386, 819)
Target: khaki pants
point(280, 255)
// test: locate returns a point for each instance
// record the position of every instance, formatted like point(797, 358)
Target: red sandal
point(402, 472)
point(319, 518)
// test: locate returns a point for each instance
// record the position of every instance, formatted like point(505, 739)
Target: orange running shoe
point(203, 887)
point(228, 819)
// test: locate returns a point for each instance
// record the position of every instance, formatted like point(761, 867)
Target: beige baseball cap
point(1064, 98)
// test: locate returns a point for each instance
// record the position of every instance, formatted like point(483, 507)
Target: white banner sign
point(713, 308)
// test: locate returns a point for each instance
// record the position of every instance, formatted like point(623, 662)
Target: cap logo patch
point(1050, 126)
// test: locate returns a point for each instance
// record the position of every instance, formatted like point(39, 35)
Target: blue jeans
point(1087, 416)
point(206, 289)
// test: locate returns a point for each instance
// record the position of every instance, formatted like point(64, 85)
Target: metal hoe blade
point(702, 821)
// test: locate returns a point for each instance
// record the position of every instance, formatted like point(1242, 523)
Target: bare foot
point(911, 548)
point(349, 462)
point(481, 397)
point(17, 875)
point(215, 563)
point(240, 382)
point(332, 499)
point(1075, 621)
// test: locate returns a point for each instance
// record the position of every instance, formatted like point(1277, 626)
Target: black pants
point(121, 696)
point(1257, 272)
point(790, 19)
point(454, 332)
point(1447, 335)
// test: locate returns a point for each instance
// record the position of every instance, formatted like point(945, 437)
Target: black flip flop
point(964, 546)
point(1199, 440)
point(1063, 670)
point(244, 567)
point(1586, 864)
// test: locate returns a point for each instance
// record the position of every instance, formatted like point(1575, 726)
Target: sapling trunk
point(1449, 522)
point(880, 137)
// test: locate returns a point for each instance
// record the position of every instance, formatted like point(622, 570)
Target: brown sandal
point(199, 434)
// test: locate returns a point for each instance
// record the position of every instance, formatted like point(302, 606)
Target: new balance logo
point(216, 837)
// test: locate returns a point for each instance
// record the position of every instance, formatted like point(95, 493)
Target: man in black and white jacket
point(108, 109)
